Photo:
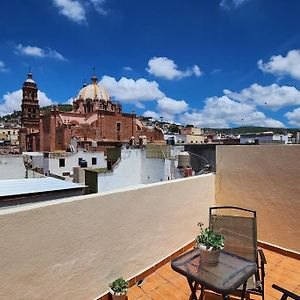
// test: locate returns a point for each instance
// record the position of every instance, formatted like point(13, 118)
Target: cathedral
point(95, 122)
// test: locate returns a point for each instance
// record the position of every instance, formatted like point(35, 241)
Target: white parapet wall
point(72, 248)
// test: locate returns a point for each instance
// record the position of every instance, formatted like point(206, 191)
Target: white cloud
point(76, 10)
point(130, 90)
point(72, 9)
point(294, 117)
point(215, 71)
point(283, 65)
point(169, 107)
point(221, 112)
point(197, 70)
point(70, 101)
point(152, 114)
point(127, 68)
point(3, 67)
point(99, 6)
point(166, 68)
point(272, 96)
point(228, 4)
point(39, 52)
point(12, 101)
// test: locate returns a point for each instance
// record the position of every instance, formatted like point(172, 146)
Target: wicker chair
point(238, 226)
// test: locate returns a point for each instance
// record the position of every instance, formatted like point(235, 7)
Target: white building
point(9, 136)
point(178, 138)
point(265, 138)
point(185, 138)
point(62, 164)
point(21, 191)
point(135, 168)
point(195, 139)
point(12, 167)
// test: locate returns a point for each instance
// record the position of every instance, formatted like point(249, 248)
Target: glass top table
point(225, 277)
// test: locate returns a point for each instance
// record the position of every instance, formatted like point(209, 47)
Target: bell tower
point(30, 105)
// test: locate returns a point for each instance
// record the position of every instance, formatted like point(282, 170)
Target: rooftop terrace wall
point(265, 178)
point(71, 249)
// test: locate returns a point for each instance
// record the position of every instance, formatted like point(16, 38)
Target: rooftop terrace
point(72, 248)
point(166, 284)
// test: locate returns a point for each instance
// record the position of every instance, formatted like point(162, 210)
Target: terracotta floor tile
point(135, 292)
point(152, 282)
point(282, 276)
point(155, 295)
point(167, 284)
point(297, 291)
point(170, 293)
point(290, 264)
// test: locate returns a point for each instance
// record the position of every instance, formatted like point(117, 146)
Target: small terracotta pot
point(209, 256)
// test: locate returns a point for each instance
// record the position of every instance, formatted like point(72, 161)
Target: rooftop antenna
point(94, 77)
point(29, 73)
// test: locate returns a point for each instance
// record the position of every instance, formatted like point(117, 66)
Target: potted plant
point(210, 244)
point(119, 288)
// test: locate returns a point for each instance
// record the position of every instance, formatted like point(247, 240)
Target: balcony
point(72, 248)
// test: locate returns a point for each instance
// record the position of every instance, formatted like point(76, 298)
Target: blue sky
point(212, 63)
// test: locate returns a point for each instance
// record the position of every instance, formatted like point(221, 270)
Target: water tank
point(78, 175)
point(171, 141)
point(184, 160)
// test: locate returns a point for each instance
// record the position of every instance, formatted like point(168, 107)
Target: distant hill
point(17, 114)
point(13, 116)
point(61, 107)
point(251, 129)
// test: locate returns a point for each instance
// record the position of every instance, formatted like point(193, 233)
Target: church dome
point(92, 91)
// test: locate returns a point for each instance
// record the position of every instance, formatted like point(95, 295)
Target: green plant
point(119, 286)
point(209, 238)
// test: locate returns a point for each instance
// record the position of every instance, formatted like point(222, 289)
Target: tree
point(174, 128)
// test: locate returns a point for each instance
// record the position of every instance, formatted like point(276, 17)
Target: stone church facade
point(95, 122)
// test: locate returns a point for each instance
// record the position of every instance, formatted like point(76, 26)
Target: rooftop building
point(20, 191)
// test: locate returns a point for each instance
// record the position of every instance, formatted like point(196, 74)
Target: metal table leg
point(202, 293)
point(244, 290)
point(193, 287)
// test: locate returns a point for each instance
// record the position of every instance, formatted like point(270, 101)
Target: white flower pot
point(209, 256)
point(117, 296)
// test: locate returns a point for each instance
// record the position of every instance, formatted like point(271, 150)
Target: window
point(118, 127)
point(61, 162)
point(94, 161)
